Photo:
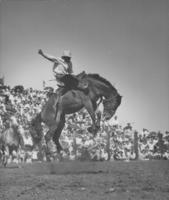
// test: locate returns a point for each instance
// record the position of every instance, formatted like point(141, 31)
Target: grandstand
point(113, 142)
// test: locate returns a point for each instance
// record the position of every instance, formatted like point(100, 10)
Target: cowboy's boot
point(58, 95)
point(60, 92)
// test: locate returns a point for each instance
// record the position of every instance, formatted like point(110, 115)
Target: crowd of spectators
point(113, 142)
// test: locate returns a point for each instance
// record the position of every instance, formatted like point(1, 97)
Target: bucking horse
point(72, 100)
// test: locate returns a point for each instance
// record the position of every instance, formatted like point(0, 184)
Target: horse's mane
point(100, 78)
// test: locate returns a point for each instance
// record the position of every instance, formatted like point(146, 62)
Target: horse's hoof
point(90, 129)
point(5, 164)
point(59, 157)
point(93, 131)
point(94, 134)
point(59, 151)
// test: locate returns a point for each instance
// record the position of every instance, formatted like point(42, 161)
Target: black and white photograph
point(84, 99)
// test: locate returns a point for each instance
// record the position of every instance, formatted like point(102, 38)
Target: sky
point(125, 41)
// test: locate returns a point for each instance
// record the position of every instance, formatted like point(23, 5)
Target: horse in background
point(10, 142)
point(16, 142)
point(73, 100)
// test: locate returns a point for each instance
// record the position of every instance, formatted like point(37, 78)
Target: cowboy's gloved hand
point(40, 52)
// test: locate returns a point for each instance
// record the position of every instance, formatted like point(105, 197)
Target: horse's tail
point(36, 120)
point(36, 128)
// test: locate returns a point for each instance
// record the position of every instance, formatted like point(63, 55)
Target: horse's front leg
point(58, 132)
point(97, 113)
point(18, 156)
point(91, 110)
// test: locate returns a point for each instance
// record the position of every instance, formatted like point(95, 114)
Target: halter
point(107, 102)
point(110, 104)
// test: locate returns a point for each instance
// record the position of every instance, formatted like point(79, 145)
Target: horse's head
point(110, 106)
point(100, 87)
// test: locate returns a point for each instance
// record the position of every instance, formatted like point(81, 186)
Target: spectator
point(113, 141)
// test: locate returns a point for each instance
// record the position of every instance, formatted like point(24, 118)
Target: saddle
point(74, 82)
point(82, 81)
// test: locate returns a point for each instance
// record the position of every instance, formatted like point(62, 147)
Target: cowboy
point(62, 70)
point(62, 66)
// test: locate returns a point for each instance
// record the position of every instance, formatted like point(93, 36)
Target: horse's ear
point(82, 74)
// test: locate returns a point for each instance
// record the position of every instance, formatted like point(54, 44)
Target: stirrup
point(60, 85)
point(85, 90)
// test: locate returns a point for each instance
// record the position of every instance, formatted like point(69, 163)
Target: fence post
point(75, 147)
point(136, 145)
point(108, 143)
point(161, 145)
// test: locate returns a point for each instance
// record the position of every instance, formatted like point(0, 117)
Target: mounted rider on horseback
point(63, 73)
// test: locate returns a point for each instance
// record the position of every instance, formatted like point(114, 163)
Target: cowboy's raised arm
point(49, 57)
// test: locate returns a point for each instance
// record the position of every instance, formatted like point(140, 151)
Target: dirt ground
point(86, 180)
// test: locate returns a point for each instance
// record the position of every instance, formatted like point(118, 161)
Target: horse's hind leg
point(4, 160)
point(53, 126)
point(5, 155)
point(50, 151)
point(91, 110)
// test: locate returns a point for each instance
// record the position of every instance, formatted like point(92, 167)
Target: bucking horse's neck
point(102, 86)
point(105, 91)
